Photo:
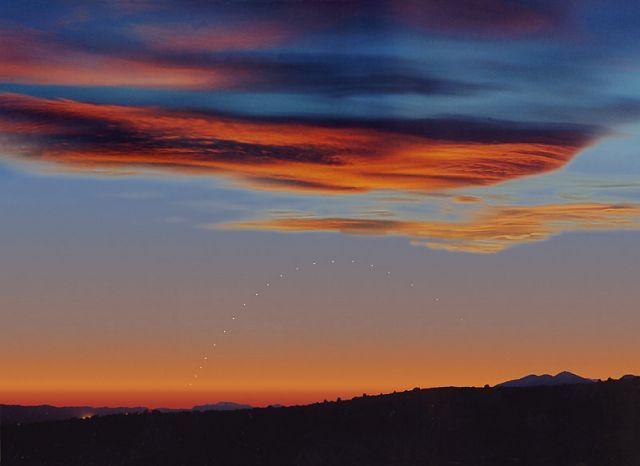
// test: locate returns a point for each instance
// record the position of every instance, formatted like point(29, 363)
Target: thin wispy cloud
point(488, 230)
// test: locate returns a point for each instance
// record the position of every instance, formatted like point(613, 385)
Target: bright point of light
point(297, 268)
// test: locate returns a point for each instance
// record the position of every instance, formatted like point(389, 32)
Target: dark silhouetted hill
point(26, 414)
point(566, 425)
point(222, 406)
point(563, 378)
point(12, 414)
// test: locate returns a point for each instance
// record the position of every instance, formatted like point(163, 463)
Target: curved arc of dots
point(244, 306)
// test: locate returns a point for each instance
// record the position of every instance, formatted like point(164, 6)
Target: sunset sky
point(421, 193)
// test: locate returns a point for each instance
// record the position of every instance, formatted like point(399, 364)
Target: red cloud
point(29, 56)
point(329, 156)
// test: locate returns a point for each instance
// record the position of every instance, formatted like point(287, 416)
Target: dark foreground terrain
point(591, 425)
point(14, 414)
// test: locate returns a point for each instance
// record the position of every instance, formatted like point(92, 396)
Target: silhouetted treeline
point(12, 414)
point(587, 425)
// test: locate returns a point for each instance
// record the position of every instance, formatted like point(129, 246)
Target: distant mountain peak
point(221, 406)
point(533, 380)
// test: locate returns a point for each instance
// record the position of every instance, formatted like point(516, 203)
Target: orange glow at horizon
point(476, 371)
point(289, 375)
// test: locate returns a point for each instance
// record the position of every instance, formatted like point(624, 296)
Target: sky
point(288, 201)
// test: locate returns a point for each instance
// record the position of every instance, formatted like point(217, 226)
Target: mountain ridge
point(545, 380)
point(580, 424)
point(45, 412)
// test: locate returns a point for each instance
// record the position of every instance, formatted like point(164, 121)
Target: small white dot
point(313, 263)
point(268, 284)
point(297, 268)
point(333, 261)
point(412, 284)
point(244, 304)
point(388, 273)
point(281, 275)
point(353, 261)
point(224, 331)
point(256, 293)
point(205, 358)
point(370, 265)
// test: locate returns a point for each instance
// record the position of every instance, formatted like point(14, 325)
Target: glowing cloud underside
point(491, 230)
point(287, 154)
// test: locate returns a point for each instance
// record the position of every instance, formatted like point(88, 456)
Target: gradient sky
point(162, 161)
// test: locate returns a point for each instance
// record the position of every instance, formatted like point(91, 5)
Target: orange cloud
point(286, 154)
point(491, 230)
point(29, 56)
